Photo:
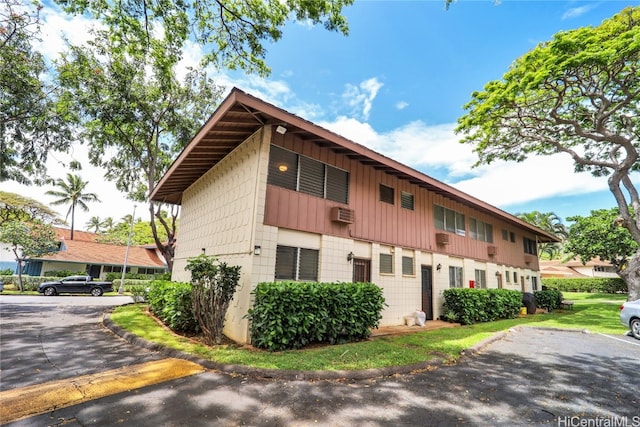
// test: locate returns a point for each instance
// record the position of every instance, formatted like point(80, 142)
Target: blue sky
point(397, 83)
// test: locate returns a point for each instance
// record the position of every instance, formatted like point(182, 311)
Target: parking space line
point(619, 339)
point(38, 399)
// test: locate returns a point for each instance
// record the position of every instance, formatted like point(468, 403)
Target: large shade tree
point(599, 235)
point(33, 118)
point(137, 108)
point(72, 192)
point(578, 94)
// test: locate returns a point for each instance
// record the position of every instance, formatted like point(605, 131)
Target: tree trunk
point(631, 276)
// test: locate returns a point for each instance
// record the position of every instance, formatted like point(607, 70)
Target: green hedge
point(171, 303)
point(289, 315)
point(608, 285)
point(112, 277)
point(468, 306)
point(549, 299)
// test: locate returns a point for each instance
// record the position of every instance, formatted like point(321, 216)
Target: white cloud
point(112, 202)
point(575, 12)
point(360, 98)
point(401, 105)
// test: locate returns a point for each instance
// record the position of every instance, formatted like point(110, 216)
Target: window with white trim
point(408, 265)
point(297, 264)
point(386, 263)
point(507, 274)
point(481, 279)
point(455, 277)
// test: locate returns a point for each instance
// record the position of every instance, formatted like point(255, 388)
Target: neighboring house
point(288, 200)
point(576, 269)
point(84, 255)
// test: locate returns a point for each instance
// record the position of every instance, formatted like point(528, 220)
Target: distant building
point(576, 269)
point(84, 255)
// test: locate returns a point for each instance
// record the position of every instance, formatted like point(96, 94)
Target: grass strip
point(595, 312)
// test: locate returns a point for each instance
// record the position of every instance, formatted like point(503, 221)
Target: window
point(515, 277)
point(299, 173)
point(386, 263)
point(534, 283)
point(407, 266)
point(530, 246)
point(481, 279)
point(512, 236)
point(296, 264)
point(455, 277)
point(505, 234)
point(446, 219)
point(406, 200)
point(508, 276)
point(480, 230)
point(387, 194)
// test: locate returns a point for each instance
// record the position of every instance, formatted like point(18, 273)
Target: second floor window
point(530, 246)
point(449, 220)
point(306, 175)
point(480, 230)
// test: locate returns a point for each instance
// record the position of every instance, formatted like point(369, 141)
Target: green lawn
point(595, 312)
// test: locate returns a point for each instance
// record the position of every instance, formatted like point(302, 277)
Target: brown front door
point(361, 270)
point(427, 291)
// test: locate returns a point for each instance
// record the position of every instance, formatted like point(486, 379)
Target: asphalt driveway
point(528, 377)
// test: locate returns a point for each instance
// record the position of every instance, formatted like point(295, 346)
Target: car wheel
point(635, 328)
point(49, 291)
point(96, 292)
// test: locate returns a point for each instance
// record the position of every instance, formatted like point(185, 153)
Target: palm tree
point(108, 223)
point(551, 223)
point(94, 224)
point(72, 193)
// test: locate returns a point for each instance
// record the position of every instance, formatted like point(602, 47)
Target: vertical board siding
point(381, 222)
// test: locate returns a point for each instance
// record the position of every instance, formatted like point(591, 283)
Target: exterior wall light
point(350, 256)
point(257, 250)
point(439, 267)
point(281, 130)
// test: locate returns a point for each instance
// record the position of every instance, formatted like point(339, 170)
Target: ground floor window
point(455, 277)
point(534, 283)
point(481, 279)
point(296, 263)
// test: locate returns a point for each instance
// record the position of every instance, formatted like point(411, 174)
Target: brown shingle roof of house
point(240, 115)
point(100, 253)
point(65, 233)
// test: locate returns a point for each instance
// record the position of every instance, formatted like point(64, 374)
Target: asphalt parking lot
point(527, 377)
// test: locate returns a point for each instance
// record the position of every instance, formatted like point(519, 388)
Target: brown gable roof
point(100, 253)
point(65, 233)
point(240, 115)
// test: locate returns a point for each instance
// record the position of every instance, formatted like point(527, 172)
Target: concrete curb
point(270, 373)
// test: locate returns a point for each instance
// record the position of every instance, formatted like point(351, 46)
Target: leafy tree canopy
point(234, 33)
point(27, 240)
point(32, 121)
point(600, 235)
point(577, 94)
point(14, 207)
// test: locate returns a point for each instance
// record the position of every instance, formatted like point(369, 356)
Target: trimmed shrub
point(288, 315)
point(63, 273)
point(468, 306)
point(112, 277)
point(171, 303)
point(607, 285)
point(549, 299)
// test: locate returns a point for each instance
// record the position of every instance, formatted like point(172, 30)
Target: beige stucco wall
point(219, 214)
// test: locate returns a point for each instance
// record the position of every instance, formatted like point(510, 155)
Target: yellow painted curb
point(41, 398)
